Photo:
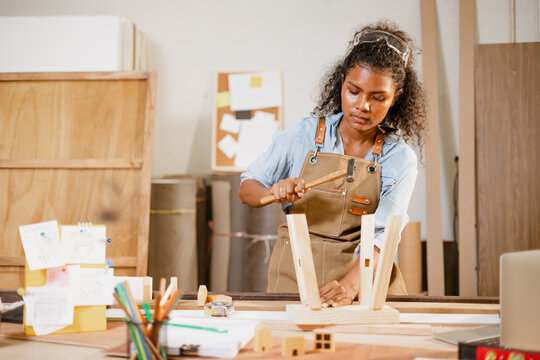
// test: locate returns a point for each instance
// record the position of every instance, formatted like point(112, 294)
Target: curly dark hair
point(407, 117)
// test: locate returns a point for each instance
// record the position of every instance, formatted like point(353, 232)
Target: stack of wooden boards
point(70, 43)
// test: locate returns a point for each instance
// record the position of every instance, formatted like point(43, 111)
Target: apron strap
point(377, 147)
point(319, 139)
point(321, 129)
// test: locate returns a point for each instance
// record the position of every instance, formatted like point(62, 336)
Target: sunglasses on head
point(392, 41)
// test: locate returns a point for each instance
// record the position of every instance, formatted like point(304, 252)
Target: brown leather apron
point(333, 211)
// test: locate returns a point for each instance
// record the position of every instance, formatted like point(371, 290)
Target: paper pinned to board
point(48, 306)
point(91, 286)
point(255, 138)
point(41, 243)
point(243, 96)
point(223, 99)
point(230, 124)
point(59, 276)
point(256, 81)
point(211, 344)
point(228, 146)
point(83, 244)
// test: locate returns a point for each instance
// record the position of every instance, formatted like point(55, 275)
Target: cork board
point(76, 147)
point(220, 161)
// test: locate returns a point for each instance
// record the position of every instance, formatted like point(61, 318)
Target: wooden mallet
point(265, 200)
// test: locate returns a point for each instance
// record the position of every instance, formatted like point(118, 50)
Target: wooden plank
point(12, 261)
point(72, 120)
point(435, 260)
point(98, 339)
point(71, 164)
point(260, 296)
point(388, 348)
point(70, 196)
point(221, 246)
point(508, 157)
point(467, 153)
point(118, 261)
point(349, 314)
point(303, 261)
point(118, 75)
point(401, 306)
point(146, 177)
point(380, 329)
point(366, 259)
point(444, 308)
point(410, 250)
point(386, 261)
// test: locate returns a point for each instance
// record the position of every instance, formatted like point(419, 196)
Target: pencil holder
point(138, 343)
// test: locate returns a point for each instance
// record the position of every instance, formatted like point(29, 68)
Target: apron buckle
point(314, 159)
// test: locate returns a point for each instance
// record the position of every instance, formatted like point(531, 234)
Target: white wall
point(188, 40)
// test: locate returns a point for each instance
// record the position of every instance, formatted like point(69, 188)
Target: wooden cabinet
point(76, 147)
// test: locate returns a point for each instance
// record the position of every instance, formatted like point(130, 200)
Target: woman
point(371, 105)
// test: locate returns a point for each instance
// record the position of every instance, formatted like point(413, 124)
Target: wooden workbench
point(403, 341)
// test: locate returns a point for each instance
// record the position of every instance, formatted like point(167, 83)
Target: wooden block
point(222, 298)
point(262, 340)
point(303, 260)
point(293, 345)
point(174, 282)
point(366, 259)
point(386, 261)
point(410, 251)
point(147, 289)
point(162, 286)
point(324, 340)
point(349, 314)
point(202, 295)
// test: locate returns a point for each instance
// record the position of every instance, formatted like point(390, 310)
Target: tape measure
point(218, 309)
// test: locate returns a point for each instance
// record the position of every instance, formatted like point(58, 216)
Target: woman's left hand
point(335, 294)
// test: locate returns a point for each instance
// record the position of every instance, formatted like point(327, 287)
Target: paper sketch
point(48, 305)
point(41, 243)
point(84, 244)
point(91, 286)
point(246, 97)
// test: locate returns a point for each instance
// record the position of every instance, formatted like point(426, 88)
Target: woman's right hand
point(284, 190)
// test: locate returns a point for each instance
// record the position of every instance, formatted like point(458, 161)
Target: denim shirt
point(289, 148)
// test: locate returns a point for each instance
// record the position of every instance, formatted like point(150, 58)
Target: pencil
point(135, 312)
point(121, 300)
point(147, 339)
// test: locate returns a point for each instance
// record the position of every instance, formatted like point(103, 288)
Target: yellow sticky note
point(256, 81)
point(223, 99)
